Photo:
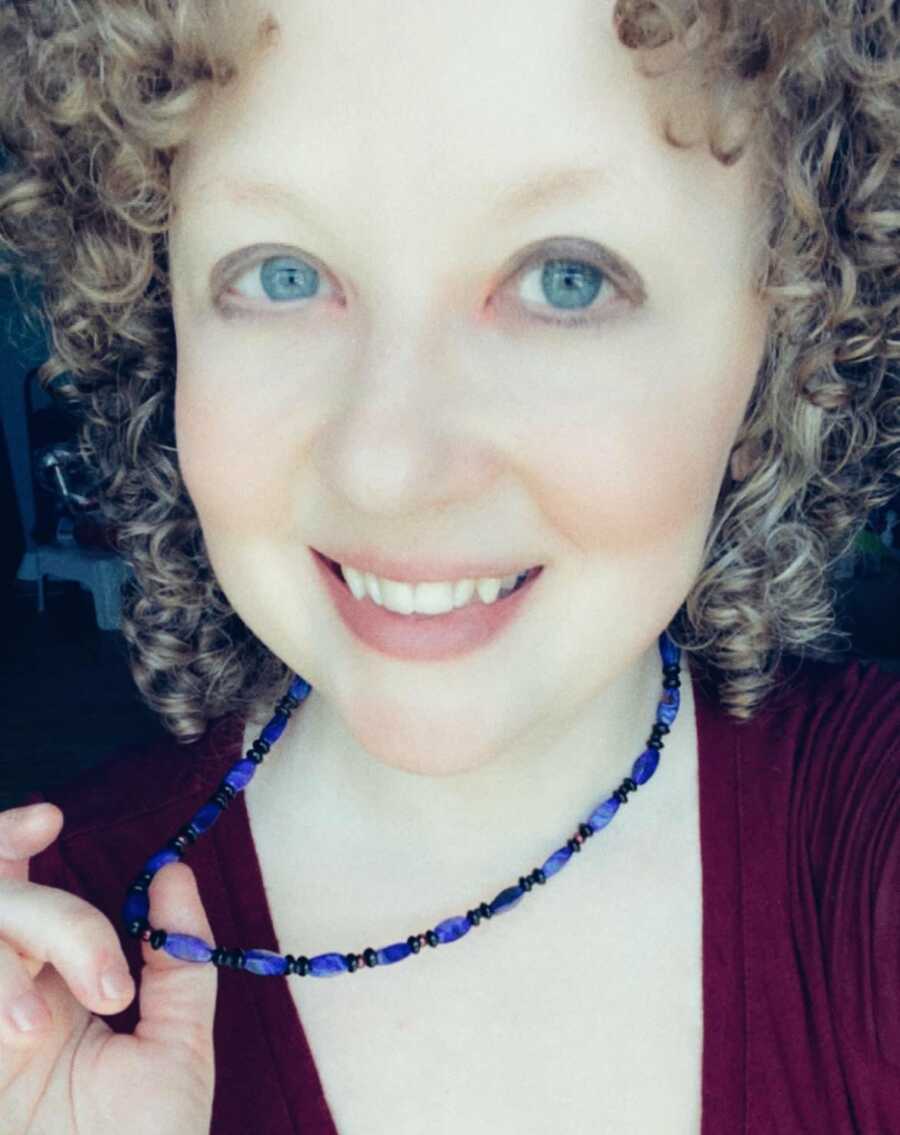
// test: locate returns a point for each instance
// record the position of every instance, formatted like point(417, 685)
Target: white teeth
point(424, 598)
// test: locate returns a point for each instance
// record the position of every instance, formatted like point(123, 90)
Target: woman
point(584, 321)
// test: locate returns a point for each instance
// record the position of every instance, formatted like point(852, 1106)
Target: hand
point(73, 1074)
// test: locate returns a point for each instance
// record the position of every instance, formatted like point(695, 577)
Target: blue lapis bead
point(556, 861)
point(274, 729)
point(206, 817)
point(327, 965)
point(240, 774)
point(645, 766)
point(668, 706)
point(187, 948)
point(299, 689)
point(671, 653)
point(452, 928)
point(601, 816)
point(160, 859)
point(135, 906)
point(507, 899)
point(394, 953)
point(264, 962)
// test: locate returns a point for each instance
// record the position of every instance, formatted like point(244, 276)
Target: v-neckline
point(723, 1080)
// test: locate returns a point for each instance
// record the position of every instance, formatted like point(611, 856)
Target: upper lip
point(425, 570)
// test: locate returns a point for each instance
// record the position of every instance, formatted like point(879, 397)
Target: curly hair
point(95, 99)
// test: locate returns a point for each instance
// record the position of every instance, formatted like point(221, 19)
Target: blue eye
point(567, 285)
point(557, 284)
point(571, 283)
point(280, 278)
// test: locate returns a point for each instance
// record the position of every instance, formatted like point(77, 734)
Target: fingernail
point(115, 983)
point(28, 1012)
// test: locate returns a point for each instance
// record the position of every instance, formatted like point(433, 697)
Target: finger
point(178, 998)
point(24, 1014)
point(25, 832)
point(45, 924)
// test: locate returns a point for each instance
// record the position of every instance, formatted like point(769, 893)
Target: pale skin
point(418, 401)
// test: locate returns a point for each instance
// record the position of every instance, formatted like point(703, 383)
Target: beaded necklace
point(267, 963)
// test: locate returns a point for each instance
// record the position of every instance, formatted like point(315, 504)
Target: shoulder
point(831, 698)
point(825, 740)
point(823, 724)
point(134, 789)
point(844, 729)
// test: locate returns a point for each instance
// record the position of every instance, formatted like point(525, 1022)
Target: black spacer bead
point(413, 942)
point(350, 959)
point(158, 939)
point(660, 729)
point(654, 743)
point(525, 882)
point(431, 938)
point(370, 956)
point(260, 746)
point(299, 966)
point(585, 830)
point(485, 911)
point(621, 793)
point(672, 669)
point(473, 916)
point(190, 834)
point(257, 758)
point(178, 843)
point(539, 877)
point(222, 799)
point(137, 926)
point(573, 845)
point(671, 683)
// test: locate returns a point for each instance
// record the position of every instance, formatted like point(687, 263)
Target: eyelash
point(234, 310)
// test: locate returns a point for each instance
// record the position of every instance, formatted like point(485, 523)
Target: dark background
point(67, 699)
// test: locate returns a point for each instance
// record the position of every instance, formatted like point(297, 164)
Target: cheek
point(642, 476)
point(619, 495)
point(228, 449)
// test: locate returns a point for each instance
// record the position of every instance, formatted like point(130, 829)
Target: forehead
point(436, 87)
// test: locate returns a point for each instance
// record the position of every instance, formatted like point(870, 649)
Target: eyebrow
point(510, 202)
point(545, 188)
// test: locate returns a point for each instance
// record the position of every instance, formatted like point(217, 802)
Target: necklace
point(267, 963)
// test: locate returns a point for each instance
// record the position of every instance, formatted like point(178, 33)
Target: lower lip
point(423, 638)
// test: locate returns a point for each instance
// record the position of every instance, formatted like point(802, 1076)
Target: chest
point(581, 1008)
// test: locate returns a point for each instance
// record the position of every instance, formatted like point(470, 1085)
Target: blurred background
point(67, 699)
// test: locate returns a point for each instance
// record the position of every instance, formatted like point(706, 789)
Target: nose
point(402, 435)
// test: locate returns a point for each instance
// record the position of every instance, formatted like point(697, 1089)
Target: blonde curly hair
point(95, 99)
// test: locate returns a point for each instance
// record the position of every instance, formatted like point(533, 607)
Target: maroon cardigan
point(800, 851)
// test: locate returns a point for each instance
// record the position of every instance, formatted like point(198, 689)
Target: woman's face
point(376, 353)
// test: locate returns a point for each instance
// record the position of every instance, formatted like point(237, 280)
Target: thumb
point(177, 998)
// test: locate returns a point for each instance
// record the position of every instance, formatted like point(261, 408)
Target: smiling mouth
point(335, 569)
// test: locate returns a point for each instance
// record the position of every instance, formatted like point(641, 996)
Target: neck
point(325, 791)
